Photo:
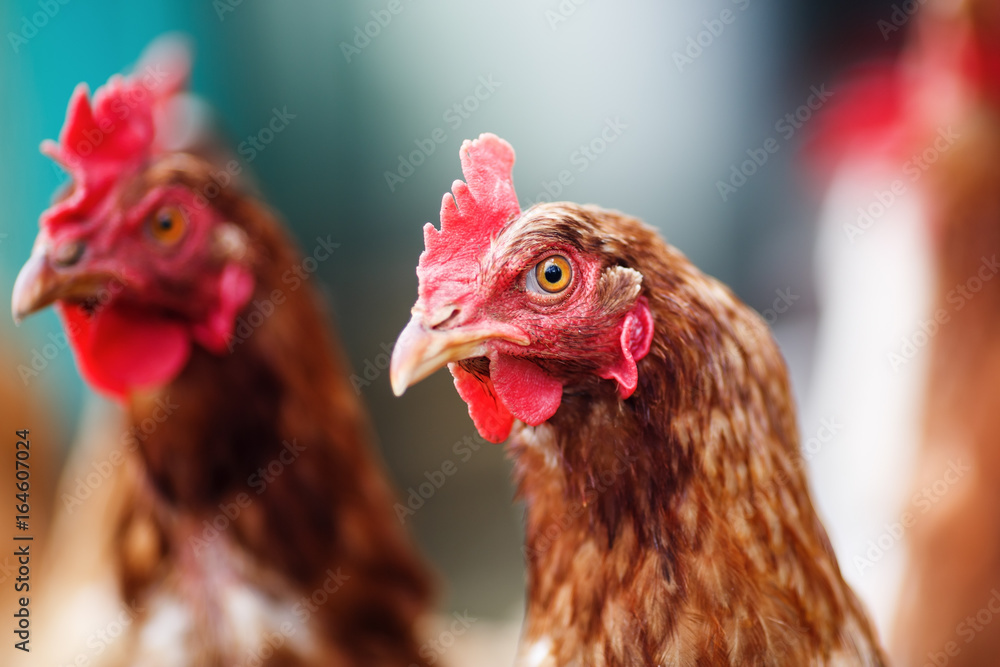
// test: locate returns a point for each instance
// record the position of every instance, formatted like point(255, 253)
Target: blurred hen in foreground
point(253, 523)
point(655, 442)
point(915, 145)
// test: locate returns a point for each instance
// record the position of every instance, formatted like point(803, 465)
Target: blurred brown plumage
point(247, 519)
point(938, 107)
point(954, 568)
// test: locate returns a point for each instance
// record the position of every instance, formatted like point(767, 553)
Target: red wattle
point(531, 394)
point(119, 349)
point(492, 419)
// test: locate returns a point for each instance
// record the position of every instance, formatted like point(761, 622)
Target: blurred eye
point(167, 225)
point(551, 275)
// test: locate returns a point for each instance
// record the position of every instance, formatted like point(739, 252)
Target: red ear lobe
point(636, 338)
point(236, 285)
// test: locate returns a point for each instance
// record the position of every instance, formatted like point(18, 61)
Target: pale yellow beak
point(40, 282)
point(422, 350)
point(37, 285)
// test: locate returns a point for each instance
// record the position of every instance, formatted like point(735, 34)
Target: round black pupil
point(166, 222)
point(553, 273)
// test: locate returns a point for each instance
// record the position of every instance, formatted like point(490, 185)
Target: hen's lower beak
point(421, 350)
point(40, 283)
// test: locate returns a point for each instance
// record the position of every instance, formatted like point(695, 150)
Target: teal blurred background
point(558, 73)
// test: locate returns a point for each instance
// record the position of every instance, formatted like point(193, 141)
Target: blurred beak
point(39, 284)
point(422, 350)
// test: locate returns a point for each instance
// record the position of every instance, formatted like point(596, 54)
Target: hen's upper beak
point(422, 349)
point(40, 282)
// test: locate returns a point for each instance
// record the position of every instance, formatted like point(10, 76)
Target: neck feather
point(687, 500)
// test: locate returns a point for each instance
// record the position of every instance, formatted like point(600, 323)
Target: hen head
point(136, 254)
point(522, 307)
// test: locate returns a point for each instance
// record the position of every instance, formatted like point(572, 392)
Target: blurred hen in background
point(250, 519)
point(910, 344)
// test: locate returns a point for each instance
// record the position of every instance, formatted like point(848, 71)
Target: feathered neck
point(687, 502)
point(233, 415)
point(272, 437)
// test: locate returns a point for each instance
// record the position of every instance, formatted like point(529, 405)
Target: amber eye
point(167, 225)
point(551, 275)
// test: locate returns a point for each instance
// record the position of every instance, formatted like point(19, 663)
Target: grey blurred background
point(558, 73)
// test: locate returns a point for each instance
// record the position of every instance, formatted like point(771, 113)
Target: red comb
point(117, 131)
point(472, 214)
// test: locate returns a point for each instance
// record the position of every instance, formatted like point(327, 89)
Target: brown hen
point(250, 520)
point(654, 436)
